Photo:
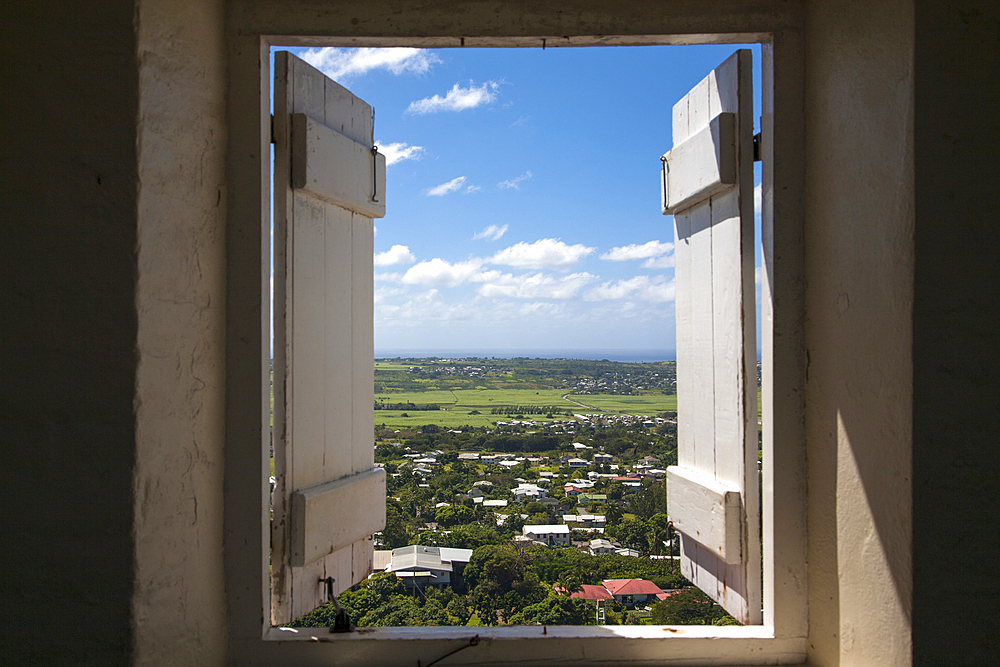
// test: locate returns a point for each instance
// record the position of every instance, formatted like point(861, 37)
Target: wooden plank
point(701, 166)
point(347, 114)
point(330, 166)
point(727, 339)
point(701, 351)
point(318, 515)
point(307, 348)
point(682, 306)
point(706, 510)
point(363, 341)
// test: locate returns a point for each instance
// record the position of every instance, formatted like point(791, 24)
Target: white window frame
point(781, 638)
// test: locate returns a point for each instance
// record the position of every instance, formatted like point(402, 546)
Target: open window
point(781, 636)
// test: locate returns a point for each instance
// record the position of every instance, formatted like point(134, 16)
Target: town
point(531, 513)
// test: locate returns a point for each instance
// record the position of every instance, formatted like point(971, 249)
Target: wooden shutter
point(328, 498)
point(712, 494)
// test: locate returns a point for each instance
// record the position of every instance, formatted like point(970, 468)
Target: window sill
point(527, 645)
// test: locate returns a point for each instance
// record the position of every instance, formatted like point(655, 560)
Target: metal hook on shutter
point(342, 622)
point(374, 173)
point(374, 161)
point(663, 172)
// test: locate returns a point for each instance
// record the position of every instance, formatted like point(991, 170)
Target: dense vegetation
point(512, 406)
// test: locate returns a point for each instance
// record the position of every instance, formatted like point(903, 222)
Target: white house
point(527, 491)
point(420, 566)
point(601, 546)
point(552, 535)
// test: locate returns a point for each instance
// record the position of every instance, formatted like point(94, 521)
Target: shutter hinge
point(273, 141)
point(756, 147)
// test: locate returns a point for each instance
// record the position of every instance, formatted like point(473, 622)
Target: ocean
point(632, 356)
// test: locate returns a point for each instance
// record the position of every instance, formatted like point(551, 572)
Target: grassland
point(649, 404)
point(457, 406)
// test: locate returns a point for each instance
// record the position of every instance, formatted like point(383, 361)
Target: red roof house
point(631, 591)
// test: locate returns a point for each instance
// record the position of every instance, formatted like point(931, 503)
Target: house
point(577, 463)
point(421, 567)
point(525, 492)
point(633, 591)
point(135, 327)
point(552, 535)
point(593, 592)
point(601, 546)
point(602, 458)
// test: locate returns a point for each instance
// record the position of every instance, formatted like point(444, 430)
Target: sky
point(523, 194)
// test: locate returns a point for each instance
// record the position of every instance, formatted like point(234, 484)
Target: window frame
point(781, 638)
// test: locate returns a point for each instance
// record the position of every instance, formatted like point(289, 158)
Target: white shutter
point(712, 494)
point(329, 498)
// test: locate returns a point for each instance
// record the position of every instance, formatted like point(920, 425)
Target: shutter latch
point(342, 622)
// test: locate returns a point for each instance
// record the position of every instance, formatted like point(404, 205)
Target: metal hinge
point(272, 129)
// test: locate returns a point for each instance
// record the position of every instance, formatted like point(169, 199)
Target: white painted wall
point(179, 602)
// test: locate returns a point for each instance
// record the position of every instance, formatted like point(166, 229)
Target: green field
point(491, 398)
point(436, 397)
point(630, 405)
point(387, 366)
point(454, 418)
point(456, 406)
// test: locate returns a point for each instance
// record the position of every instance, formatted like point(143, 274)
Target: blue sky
point(522, 195)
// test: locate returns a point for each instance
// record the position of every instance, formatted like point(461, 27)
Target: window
point(782, 636)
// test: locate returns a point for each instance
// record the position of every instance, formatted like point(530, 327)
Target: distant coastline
point(630, 356)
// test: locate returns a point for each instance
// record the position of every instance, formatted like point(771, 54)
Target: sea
point(631, 356)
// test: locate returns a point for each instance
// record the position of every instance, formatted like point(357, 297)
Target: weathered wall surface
point(859, 277)
point(179, 602)
point(956, 410)
point(68, 326)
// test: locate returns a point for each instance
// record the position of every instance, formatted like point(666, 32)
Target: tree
point(454, 515)
point(632, 533)
point(555, 610)
point(501, 582)
point(395, 533)
point(689, 606)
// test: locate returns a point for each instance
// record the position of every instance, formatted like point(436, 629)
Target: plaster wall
point(859, 285)
point(956, 412)
point(68, 330)
point(179, 592)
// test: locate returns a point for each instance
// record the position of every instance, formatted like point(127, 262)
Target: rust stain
point(676, 631)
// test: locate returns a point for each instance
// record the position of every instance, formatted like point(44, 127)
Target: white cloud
point(758, 198)
point(345, 63)
point(473, 188)
point(491, 233)
point(388, 277)
point(451, 186)
point(457, 99)
point(528, 286)
point(542, 254)
point(514, 183)
point(399, 152)
point(394, 256)
point(384, 292)
point(636, 251)
point(439, 272)
point(656, 289)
